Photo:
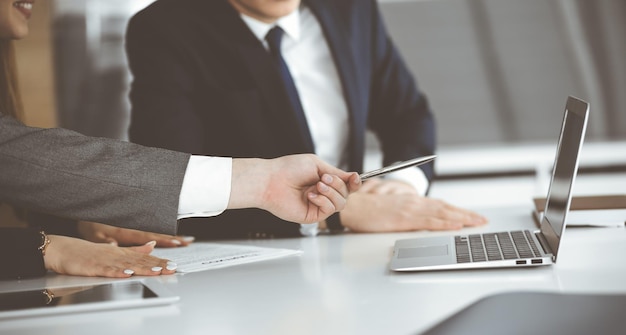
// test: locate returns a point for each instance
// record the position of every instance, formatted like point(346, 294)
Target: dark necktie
point(274, 37)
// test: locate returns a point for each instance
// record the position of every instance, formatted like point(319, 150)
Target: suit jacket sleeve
point(399, 112)
point(162, 92)
point(61, 172)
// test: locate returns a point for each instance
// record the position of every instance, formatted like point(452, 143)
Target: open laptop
point(508, 248)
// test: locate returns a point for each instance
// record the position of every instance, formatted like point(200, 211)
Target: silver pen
point(397, 166)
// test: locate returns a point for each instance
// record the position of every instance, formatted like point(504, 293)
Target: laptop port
point(537, 261)
point(520, 262)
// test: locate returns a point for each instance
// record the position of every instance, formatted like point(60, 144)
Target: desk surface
point(341, 285)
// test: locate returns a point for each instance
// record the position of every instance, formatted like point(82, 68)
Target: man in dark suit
point(209, 77)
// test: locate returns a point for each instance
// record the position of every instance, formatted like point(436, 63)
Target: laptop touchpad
point(426, 251)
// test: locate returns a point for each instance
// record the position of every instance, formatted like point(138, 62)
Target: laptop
point(520, 248)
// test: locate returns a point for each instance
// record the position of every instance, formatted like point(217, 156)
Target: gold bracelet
point(49, 296)
point(44, 243)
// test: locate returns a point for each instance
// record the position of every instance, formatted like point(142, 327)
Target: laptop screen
point(564, 171)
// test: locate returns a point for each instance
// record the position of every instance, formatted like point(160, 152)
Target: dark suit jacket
point(63, 173)
point(204, 84)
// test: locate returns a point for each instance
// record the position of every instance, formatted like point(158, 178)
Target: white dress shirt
point(314, 73)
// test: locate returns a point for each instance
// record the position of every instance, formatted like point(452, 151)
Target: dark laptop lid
point(538, 313)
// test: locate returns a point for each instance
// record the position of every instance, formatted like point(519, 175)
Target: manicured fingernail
point(157, 269)
point(171, 266)
point(129, 272)
point(312, 195)
point(177, 242)
point(151, 243)
point(189, 238)
point(328, 179)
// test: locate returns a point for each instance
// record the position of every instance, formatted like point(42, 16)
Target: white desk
point(341, 285)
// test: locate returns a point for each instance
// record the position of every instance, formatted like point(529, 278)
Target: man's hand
point(297, 188)
point(387, 186)
point(380, 208)
point(101, 233)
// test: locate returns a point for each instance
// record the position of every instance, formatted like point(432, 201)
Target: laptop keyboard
point(495, 246)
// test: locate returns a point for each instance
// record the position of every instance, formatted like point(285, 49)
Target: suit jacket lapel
point(346, 63)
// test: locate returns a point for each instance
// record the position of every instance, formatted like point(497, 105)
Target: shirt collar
point(290, 24)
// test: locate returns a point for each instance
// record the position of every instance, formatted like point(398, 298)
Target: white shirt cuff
point(413, 176)
point(206, 187)
point(309, 229)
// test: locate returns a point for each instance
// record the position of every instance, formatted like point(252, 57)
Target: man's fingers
point(326, 168)
point(467, 217)
point(336, 197)
point(445, 216)
point(336, 183)
point(354, 182)
point(323, 204)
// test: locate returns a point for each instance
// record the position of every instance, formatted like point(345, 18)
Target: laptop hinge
point(544, 243)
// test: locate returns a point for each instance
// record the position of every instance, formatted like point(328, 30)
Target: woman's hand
point(101, 233)
point(73, 256)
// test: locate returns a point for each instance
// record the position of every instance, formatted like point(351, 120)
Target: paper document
point(200, 256)
point(595, 217)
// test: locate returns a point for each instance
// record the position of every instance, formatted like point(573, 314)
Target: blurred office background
point(497, 73)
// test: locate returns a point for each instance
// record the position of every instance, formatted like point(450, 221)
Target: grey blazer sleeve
point(64, 173)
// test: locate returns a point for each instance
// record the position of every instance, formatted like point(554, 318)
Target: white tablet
point(87, 298)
